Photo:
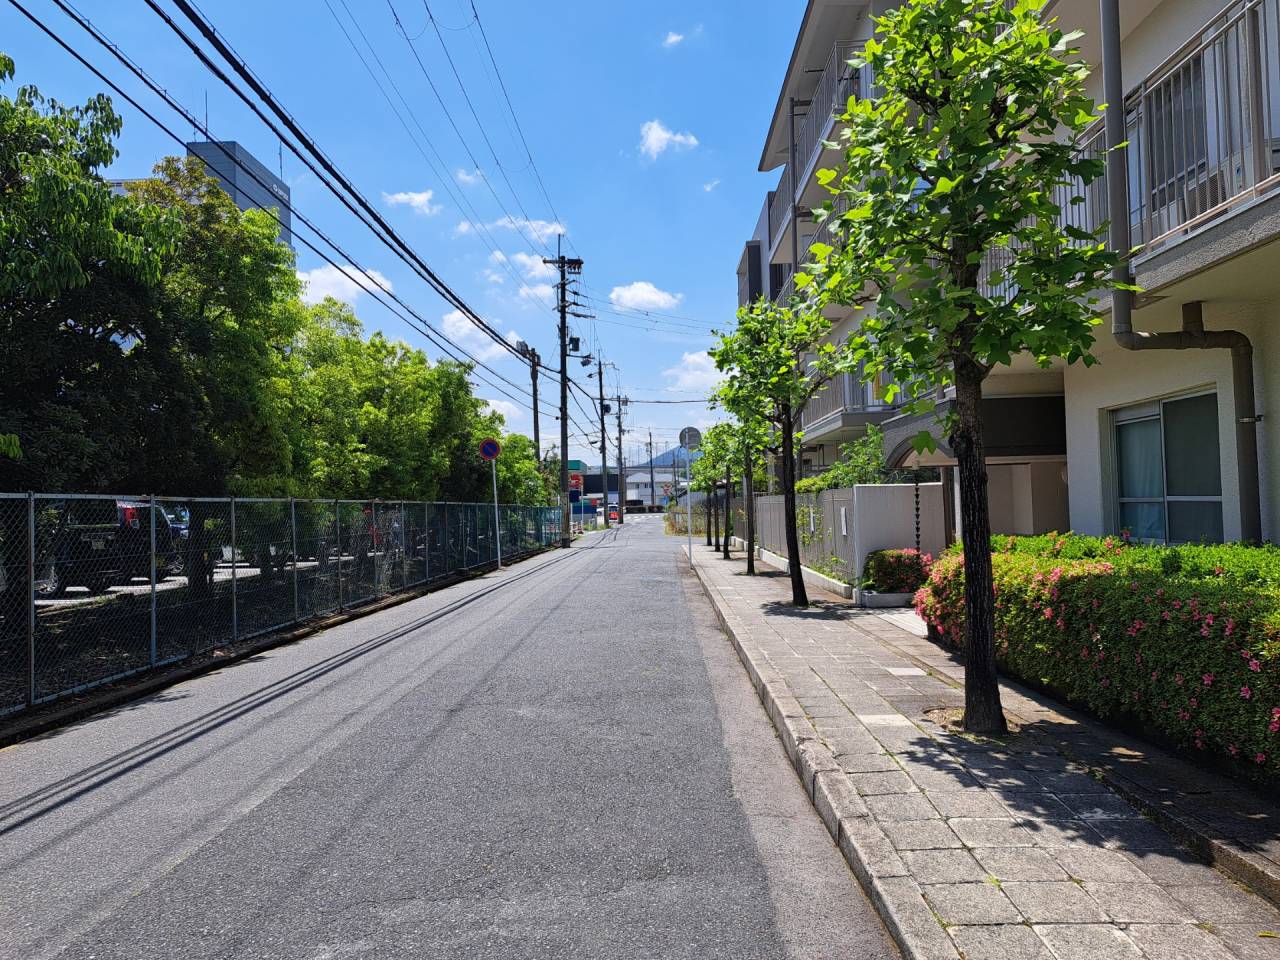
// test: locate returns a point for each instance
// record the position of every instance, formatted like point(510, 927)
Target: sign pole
point(690, 440)
point(490, 450)
point(688, 502)
point(497, 517)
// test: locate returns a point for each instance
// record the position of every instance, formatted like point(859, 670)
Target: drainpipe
point(1193, 335)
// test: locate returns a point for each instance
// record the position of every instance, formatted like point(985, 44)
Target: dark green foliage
point(896, 571)
point(1182, 642)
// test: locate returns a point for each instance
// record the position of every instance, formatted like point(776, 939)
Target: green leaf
point(945, 186)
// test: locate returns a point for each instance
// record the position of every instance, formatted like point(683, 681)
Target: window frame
point(1145, 412)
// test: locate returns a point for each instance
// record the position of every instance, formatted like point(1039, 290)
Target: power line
point(434, 336)
point(383, 230)
point(514, 116)
point(469, 212)
point(453, 123)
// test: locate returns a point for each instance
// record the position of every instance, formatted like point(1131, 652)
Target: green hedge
point(896, 571)
point(1184, 642)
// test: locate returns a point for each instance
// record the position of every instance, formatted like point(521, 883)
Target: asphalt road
point(563, 759)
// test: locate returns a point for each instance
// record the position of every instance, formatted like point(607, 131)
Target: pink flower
point(1260, 758)
point(1255, 666)
point(1246, 693)
point(1194, 703)
point(1233, 750)
point(1048, 613)
point(1166, 615)
point(1274, 726)
point(1177, 678)
point(1208, 679)
point(1106, 683)
point(1184, 715)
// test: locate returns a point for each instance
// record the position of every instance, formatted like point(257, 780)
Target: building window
point(1168, 467)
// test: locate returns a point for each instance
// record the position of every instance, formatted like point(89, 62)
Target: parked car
point(96, 543)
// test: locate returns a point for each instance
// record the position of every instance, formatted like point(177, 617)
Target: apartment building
point(1176, 443)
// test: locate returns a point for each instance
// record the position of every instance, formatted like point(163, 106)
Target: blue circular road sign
point(489, 449)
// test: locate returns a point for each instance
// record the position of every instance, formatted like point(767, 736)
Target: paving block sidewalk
point(1010, 850)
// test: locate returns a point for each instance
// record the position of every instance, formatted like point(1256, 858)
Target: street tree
point(958, 176)
point(775, 361)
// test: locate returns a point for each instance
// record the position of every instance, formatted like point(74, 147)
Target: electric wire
point(382, 230)
point(436, 337)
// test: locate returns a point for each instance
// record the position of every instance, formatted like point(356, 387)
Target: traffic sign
point(489, 449)
point(691, 438)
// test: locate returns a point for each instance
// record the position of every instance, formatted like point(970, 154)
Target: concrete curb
point(109, 696)
point(873, 859)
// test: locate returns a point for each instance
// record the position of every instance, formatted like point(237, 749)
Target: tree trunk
point(707, 504)
point(749, 496)
point(982, 710)
point(715, 518)
point(728, 508)
point(799, 596)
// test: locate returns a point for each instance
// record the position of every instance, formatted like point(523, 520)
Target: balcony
point(837, 83)
point(846, 402)
point(1203, 131)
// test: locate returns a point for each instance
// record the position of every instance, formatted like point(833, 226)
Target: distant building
point(245, 188)
point(232, 174)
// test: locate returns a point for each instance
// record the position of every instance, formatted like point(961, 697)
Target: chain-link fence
point(93, 588)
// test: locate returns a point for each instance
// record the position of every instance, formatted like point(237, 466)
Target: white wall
point(1124, 377)
point(884, 519)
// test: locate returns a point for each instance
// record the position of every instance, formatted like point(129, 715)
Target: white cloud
point(656, 139)
point(710, 185)
point(468, 336)
point(541, 230)
point(673, 39)
point(643, 295)
point(696, 373)
point(539, 291)
point(345, 283)
point(505, 407)
point(469, 178)
point(419, 202)
point(533, 267)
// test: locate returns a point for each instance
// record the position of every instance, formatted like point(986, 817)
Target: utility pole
point(604, 447)
point(653, 490)
point(566, 266)
point(622, 467)
point(535, 362)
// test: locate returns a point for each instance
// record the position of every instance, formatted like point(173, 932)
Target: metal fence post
point(404, 546)
point(293, 533)
point(426, 543)
point(31, 598)
point(337, 527)
point(235, 603)
point(154, 561)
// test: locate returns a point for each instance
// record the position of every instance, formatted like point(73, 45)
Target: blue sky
point(645, 121)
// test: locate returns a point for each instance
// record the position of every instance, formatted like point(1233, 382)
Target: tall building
point(247, 192)
point(1173, 445)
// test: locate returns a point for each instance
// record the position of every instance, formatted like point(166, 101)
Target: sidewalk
point(985, 850)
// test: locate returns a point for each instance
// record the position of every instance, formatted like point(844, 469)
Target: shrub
point(896, 571)
point(1184, 642)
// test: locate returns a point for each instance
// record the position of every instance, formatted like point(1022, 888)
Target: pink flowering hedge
point(1184, 642)
point(896, 571)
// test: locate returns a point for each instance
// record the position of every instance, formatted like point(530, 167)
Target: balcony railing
point(847, 393)
point(836, 85)
point(1203, 131)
